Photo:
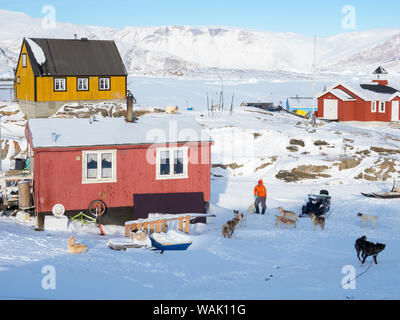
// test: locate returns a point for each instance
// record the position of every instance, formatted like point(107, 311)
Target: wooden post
point(158, 226)
point(163, 225)
point(146, 227)
point(187, 224)
point(127, 230)
point(180, 225)
point(139, 226)
point(151, 227)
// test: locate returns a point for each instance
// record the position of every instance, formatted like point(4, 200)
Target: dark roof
point(70, 57)
point(379, 88)
point(380, 70)
point(259, 104)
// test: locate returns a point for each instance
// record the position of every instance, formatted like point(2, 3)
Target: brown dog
point(229, 227)
point(76, 248)
point(317, 221)
point(288, 214)
point(285, 221)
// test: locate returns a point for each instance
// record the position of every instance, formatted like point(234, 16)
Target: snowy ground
point(261, 261)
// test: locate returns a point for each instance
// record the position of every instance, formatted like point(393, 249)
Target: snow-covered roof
point(149, 129)
point(70, 57)
point(341, 95)
point(374, 91)
point(367, 92)
point(300, 102)
point(37, 51)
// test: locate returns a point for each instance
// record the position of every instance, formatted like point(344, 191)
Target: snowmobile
point(319, 204)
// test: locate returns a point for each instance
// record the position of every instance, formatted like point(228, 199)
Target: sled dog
point(251, 209)
point(288, 214)
point(76, 248)
point(286, 221)
point(317, 221)
point(368, 249)
point(241, 217)
point(367, 217)
point(229, 227)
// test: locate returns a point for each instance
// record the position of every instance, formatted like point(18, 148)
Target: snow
point(261, 261)
point(115, 131)
point(182, 49)
point(171, 237)
point(37, 51)
point(341, 95)
point(52, 223)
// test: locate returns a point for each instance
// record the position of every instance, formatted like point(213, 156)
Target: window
point(24, 60)
point(104, 83)
point(382, 107)
point(99, 166)
point(18, 80)
point(59, 84)
point(82, 84)
point(373, 106)
point(172, 163)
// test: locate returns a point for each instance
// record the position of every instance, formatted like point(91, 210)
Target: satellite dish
point(58, 210)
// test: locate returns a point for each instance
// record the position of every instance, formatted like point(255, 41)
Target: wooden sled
point(382, 195)
point(393, 194)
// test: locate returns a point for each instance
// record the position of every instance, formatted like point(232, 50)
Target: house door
point(331, 109)
point(395, 111)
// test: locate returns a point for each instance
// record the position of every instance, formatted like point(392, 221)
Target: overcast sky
point(309, 17)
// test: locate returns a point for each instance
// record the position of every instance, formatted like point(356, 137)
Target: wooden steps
point(394, 124)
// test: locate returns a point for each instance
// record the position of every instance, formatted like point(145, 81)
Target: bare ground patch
point(267, 164)
point(303, 173)
point(232, 166)
point(383, 170)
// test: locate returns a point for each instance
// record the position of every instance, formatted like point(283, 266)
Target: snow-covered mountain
point(178, 49)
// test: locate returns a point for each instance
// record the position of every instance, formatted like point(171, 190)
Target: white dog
point(367, 217)
point(242, 218)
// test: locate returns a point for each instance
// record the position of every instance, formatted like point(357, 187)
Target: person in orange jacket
point(260, 195)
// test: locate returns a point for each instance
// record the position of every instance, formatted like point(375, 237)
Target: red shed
point(157, 164)
point(376, 101)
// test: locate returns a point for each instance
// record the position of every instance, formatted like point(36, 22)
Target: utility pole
point(1, 151)
point(222, 92)
point(314, 68)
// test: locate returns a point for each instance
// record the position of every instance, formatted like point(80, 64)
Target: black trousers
point(263, 204)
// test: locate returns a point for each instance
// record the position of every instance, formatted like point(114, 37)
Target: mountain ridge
point(182, 49)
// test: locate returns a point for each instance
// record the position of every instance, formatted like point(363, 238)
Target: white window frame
point(24, 60)
point(106, 83)
point(86, 180)
point(384, 107)
point(373, 106)
point(62, 82)
point(172, 176)
point(85, 84)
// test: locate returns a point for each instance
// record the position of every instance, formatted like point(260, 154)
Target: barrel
point(24, 194)
point(20, 164)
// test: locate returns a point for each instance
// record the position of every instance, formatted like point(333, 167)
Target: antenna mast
point(314, 69)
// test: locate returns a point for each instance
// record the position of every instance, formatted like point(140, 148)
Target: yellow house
point(53, 72)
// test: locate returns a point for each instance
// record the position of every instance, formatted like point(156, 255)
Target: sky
point(308, 17)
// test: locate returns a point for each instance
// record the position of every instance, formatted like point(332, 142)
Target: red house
point(153, 165)
point(376, 101)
